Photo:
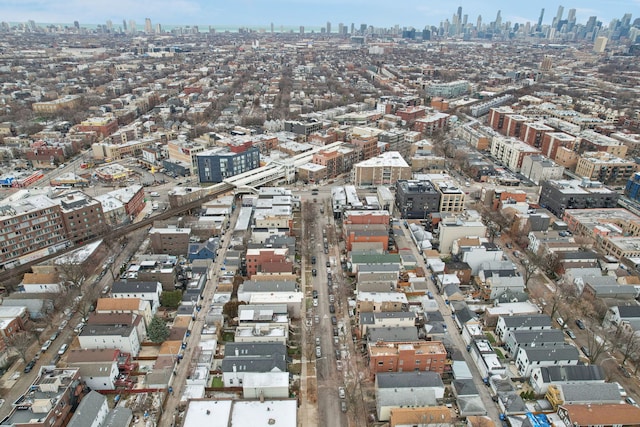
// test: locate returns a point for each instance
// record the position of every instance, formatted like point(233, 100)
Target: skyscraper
point(148, 27)
point(459, 13)
point(499, 19)
point(479, 22)
point(539, 27)
point(558, 18)
point(328, 27)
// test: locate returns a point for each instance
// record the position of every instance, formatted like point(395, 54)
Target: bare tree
point(629, 343)
point(72, 272)
point(20, 343)
point(595, 344)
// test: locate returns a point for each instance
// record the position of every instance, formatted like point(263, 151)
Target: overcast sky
point(311, 13)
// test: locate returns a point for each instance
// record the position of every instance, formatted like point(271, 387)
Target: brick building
point(268, 260)
point(170, 241)
point(407, 356)
point(103, 126)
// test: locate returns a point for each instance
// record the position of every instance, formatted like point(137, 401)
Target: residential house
point(148, 291)
point(528, 358)
point(602, 415)
point(544, 376)
point(521, 322)
point(406, 389)
point(98, 367)
point(242, 358)
point(125, 305)
point(516, 339)
point(123, 337)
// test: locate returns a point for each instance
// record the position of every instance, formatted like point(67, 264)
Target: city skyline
point(312, 13)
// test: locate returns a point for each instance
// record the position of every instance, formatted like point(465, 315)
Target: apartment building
point(29, 224)
point(268, 260)
point(606, 168)
point(416, 199)
point(102, 126)
point(534, 133)
point(539, 168)
point(185, 152)
point(407, 356)
point(432, 123)
point(511, 152)
point(558, 195)
point(448, 89)
point(219, 164)
point(385, 169)
point(82, 216)
point(551, 141)
point(170, 240)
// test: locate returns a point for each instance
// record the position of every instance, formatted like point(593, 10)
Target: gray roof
point(513, 403)
point(123, 287)
point(366, 268)
point(471, 405)
point(405, 397)
point(465, 387)
point(566, 373)
point(88, 410)
point(462, 311)
point(408, 379)
point(565, 353)
point(527, 320)
point(392, 334)
point(118, 417)
point(268, 286)
point(255, 357)
point(594, 393)
point(108, 330)
point(629, 311)
point(366, 318)
point(538, 336)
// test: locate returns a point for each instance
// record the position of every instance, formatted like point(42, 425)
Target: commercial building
point(184, 152)
point(385, 169)
point(218, 164)
point(52, 107)
point(558, 195)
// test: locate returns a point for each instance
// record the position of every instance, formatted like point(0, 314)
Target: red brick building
point(411, 114)
point(551, 141)
point(497, 117)
point(103, 126)
point(534, 132)
point(268, 260)
point(366, 217)
point(432, 123)
point(514, 125)
point(407, 356)
point(367, 146)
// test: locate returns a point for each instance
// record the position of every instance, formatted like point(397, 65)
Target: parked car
point(79, 327)
point(332, 308)
point(343, 406)
point(313, 260)
point(580, 323)
point(571, 334)
point(334, 320)
point(29, 366)
point(315, 293)
point(315, 302)
point(54, 336)
point(314, 272)
point(341, 393)
point(63, 348)
point(46, 345)
point(630, 400)
point(318, 351)
point(63, 325)
point(586, 351)
point(328, 264)
point(338, 355)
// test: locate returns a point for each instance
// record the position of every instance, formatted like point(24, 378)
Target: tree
point(72, 271)
point(529, 267)
point(629, 343)
point(595, 344)
point(158, 330)
point(171, 299)
point(230, 309)
point(20, 343)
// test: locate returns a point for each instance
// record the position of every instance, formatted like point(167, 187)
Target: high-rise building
point(132, 26)
point(498, 19)
point(539, 27)
point(479, 22)
point(109, 25)
point(124, 25)
point(328, 27)
point(272, 27)
point(76, 25)
point(340, 28)
point(353, 28)
point(148, 27)
point(558, 18)
point(600, 44)
point(459, 13)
